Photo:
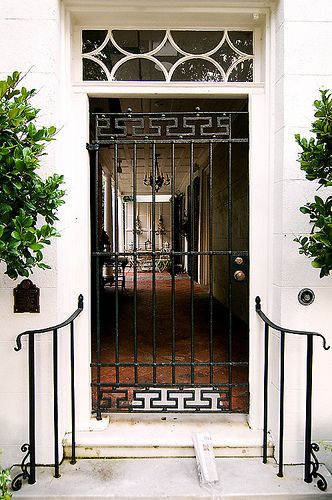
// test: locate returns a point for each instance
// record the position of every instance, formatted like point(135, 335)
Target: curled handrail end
point(18, 346)
point(315, 334)
point(326, 347)
point(268, 322)
point(80, 301)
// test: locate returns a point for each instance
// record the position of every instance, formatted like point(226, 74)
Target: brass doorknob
point(239, 276)
point(239, 261)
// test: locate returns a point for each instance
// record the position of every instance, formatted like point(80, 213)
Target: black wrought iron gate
point(170, 300)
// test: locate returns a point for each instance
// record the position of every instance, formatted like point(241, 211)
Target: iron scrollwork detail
point(22, 476)
point(314, 474)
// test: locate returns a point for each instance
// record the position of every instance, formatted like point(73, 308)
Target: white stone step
point(146, 435)
point(172, 479)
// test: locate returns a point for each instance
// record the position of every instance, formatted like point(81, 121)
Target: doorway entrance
point(170, 259)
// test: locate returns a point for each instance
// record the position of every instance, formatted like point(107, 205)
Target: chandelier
point(157, 178)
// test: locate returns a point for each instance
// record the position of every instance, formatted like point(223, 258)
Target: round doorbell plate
point(306, 296)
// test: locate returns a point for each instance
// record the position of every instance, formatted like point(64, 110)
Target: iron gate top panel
point(166, 127)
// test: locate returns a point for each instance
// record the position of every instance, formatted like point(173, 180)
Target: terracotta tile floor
point(182, 375)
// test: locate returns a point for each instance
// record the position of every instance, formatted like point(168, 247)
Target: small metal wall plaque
point(26, 297)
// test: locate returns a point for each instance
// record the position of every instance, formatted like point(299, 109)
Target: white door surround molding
point(76, 261)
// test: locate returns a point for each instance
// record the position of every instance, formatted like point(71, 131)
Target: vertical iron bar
point(266, 376)
point(124, 225)
point(192, 222)
point(97, 281)
point(154, 353)
point(230, 247)
point(32, 411)
point(173, 264)
point(135, 262)
point(55, 404)
point(281, 404)
point(308, 412)
point(116, 259)
point(210, 243)
point(72, 384)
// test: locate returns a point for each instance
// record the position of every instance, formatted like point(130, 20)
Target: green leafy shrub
point(28, 203)
point(5, 480)
point(316, 161)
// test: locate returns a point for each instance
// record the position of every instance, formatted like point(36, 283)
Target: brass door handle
point(239, 276)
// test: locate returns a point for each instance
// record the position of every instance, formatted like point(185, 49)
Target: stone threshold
point(165, 435)
point(171, 478)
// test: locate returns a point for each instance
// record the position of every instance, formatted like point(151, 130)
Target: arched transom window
point(168, 55)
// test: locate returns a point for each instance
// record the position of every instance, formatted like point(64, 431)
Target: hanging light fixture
point(157, 178)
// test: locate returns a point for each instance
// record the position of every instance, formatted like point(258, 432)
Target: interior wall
point(144, 214)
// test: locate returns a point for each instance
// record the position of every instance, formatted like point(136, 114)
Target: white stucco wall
point(33, 35)
point(303, 66)
point(30, 41)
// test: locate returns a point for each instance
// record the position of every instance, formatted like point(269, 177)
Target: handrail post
point(281, 404)
point(308, 413)
point(72, 380)
point(55, 404)
point(28, 464)
point(32, 411)
point(266, 376)
point(311, 463)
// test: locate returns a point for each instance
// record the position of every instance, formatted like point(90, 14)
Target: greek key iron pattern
point(200, 399)
point(168, 126)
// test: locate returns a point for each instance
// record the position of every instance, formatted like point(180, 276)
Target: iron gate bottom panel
point(185, 365)
point(187, 399)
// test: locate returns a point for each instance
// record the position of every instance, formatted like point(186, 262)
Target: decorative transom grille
point(168, 55)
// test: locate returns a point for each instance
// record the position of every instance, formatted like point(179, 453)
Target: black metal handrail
point(28, 465)
point(311, 464)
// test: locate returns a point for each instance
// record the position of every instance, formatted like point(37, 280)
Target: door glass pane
point(92, 39)
point(92, 71)
point(242, 40)
point(197, 70)
point(197, 42)
point(139, 70)
point(138, 41)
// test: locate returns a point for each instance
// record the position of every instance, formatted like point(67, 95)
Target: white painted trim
point(232, 5)
point(146, 89)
